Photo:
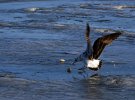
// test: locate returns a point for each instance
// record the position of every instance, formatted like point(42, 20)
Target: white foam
point(120, 7)
point(62, 60)
point(32, 9)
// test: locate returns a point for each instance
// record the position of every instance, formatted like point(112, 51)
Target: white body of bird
point(94, 63)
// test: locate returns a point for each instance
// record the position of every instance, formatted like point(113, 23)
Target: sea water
point(36, 34)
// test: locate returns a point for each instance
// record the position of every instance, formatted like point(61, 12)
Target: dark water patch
point(7, 74)
point(117, 81)
point(95, 87)
point(103, 20)
point(123, 15)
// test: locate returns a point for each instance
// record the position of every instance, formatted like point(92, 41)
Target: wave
point(121, 7)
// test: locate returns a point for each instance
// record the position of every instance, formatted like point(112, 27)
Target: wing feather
point(89, 49)
point(101, 42)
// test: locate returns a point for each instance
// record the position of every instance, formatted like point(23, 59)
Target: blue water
point(35, 35)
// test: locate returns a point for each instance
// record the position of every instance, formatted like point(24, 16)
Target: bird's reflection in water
point(97, 87)
point(91, 87)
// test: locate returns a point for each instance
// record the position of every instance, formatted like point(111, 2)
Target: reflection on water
point(104, 87)
point(95, 87)
point(35, 35)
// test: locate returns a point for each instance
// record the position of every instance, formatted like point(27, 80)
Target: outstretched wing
point(101, 42)
point(89, 48)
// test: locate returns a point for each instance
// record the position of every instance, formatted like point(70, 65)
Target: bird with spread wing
point(91, 54)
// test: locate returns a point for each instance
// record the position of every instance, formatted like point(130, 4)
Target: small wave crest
point(109, 31)
point(121, 7)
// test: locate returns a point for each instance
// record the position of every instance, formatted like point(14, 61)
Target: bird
point(91, 55)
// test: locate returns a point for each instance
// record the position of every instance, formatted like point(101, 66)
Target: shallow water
point(35, 35)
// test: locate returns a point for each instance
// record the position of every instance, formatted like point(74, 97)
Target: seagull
point(91, 54)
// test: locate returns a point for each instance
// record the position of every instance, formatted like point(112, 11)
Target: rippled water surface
point(36, 34)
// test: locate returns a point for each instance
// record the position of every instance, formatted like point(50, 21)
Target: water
point(35, 35)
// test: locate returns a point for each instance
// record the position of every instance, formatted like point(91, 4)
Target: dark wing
point(101, 42)
point(89, 48)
